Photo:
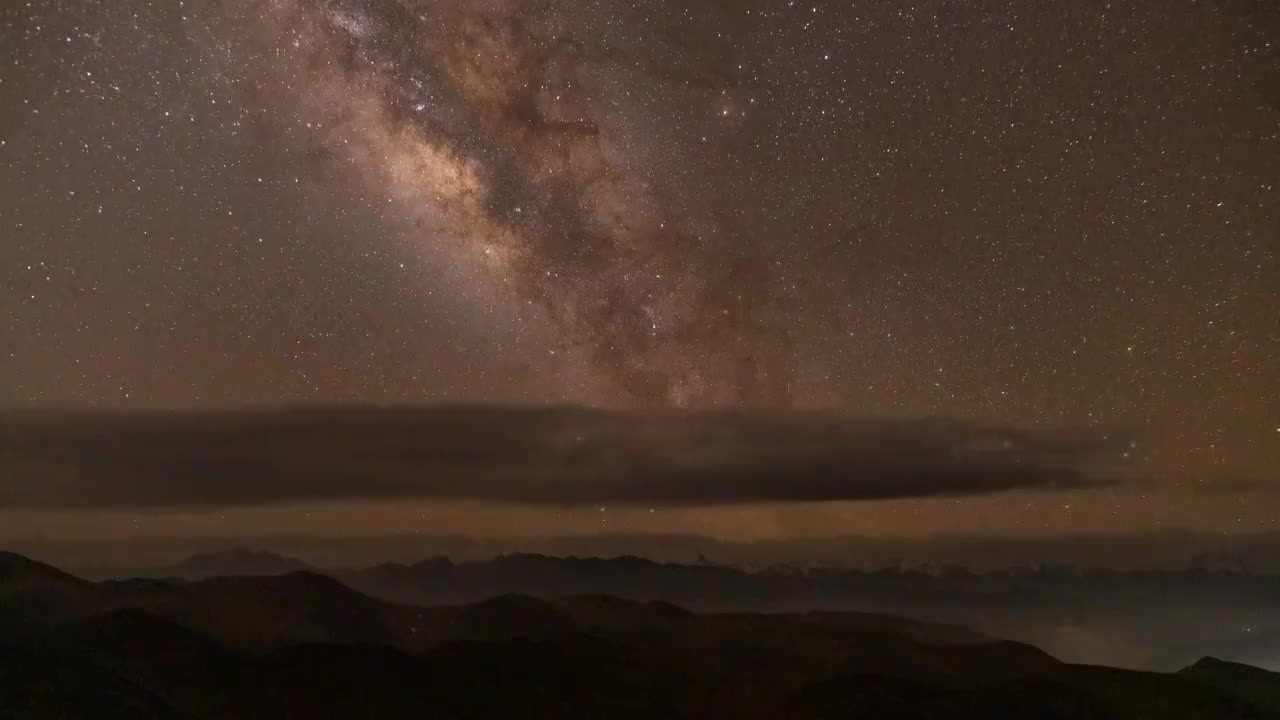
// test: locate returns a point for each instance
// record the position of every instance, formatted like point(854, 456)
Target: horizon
point(1162, 551)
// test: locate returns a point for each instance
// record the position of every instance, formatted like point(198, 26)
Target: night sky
point(1031, 215)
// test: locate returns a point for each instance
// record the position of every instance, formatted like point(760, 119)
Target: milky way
point(514, 132)
point(1013, 213)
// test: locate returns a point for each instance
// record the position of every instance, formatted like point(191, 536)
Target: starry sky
point(1035, 215)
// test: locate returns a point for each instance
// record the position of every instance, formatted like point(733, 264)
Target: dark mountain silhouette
point(1258, 686)
point(31, 592)
point(306, 645)
point(36, 684)
point(1085, 616)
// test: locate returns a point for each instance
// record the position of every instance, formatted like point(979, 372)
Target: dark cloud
point(568, 456)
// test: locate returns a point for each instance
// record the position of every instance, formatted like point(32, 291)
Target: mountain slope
point(1260, 687)
point(304, 645)
point(37, 685)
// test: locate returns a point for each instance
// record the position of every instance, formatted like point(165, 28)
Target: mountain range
point(1152, 620)
point(303, 644)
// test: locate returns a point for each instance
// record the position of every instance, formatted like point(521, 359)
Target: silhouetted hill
point(37, 686)
point(305, 645)
point(32, 592)
point(21, 575)
point(269, 612)
point(1260, 687)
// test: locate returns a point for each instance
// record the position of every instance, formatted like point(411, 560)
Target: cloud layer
point(560, 456)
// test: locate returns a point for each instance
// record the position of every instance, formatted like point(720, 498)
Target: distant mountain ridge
point(248, 561)
point(240, 561)
point(306, 645)
point(1078, 615)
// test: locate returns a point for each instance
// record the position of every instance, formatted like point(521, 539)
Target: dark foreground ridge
point(305, 645)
